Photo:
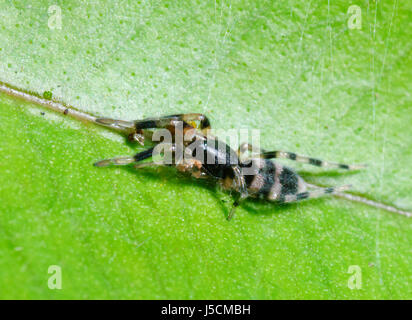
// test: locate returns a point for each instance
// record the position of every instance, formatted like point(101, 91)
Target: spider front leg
point(168, 148)
point(192, 166)
point(135, 129)
point(156, 123)
point(204, 123)
point(122, 161)
point(295, 157)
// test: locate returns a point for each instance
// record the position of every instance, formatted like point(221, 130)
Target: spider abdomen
point(273, 181)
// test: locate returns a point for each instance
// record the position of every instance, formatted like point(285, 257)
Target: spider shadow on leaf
point(265, 207)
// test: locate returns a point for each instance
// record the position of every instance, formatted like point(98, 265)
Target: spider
point(269, 180)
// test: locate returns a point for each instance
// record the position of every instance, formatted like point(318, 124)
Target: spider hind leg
point(295, 157)
point(308, 160)
point(315, 193)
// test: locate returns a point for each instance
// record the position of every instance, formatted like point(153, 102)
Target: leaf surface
point(293, 70)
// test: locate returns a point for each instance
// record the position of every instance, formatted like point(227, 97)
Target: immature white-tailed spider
point(268, 180)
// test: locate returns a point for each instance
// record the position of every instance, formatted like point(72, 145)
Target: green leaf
point(294, 70)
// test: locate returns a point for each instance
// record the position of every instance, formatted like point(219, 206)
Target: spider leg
point(122, 161)
point(316, 193)
point(149, 123)
point(166, 121)
point(295, 157)
point(128, 127)
point(117, 124)
point(135, 128)
point(140, 156)
point(309, 160)
point(204, 123)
